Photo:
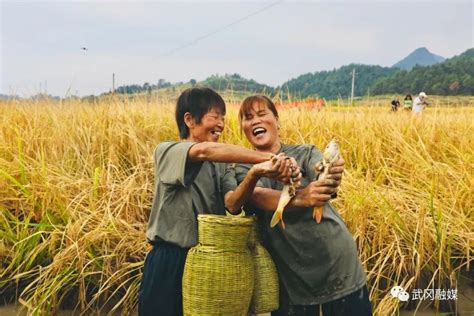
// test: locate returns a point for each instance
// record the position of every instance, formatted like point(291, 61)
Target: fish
point(331, 154)
point(287, 193)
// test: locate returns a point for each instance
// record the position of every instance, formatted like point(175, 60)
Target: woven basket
point(218, 273)
point(266, 290)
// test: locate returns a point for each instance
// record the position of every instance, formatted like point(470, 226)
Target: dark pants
point(161, 288)
point(355, 304)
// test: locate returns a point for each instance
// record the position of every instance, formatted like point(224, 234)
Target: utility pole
point(352, 90)
point(113, 83)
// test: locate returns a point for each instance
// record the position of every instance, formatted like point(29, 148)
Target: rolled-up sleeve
point(172, 165)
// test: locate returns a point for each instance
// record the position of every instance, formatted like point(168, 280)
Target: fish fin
point(318, 214)
point(277, 216)
point(319, 217)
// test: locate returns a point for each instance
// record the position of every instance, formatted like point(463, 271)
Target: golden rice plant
point(76, 185)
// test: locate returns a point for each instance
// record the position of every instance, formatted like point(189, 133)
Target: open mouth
point(217, 133)
point(259, 131)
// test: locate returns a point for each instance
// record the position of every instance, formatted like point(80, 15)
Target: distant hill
point(449, 77)
point(235, 82)
point(454, 76)
point(338, 82)
point(227, 82)
point(420, 56)
point(146, 87)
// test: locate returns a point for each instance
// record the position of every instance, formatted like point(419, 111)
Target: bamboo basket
point(266, 290)
point(218, 273)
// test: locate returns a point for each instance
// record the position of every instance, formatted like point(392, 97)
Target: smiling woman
point(210, 127)
point(200, 115)
point(188, 178)
point(317, 264)
point(260, 123)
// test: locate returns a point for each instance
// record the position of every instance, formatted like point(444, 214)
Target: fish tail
point(277, 216)
point(318, 214)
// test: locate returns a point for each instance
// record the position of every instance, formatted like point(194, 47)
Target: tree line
point(454, 76)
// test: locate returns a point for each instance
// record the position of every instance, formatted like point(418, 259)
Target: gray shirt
point(316, 263)
point(183, 189)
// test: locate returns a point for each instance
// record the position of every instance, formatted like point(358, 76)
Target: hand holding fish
point(330, 156)
point(317, 193)
point(335, 171)
point(294, 176)
point(287, 193)
point(272, 168)
point(281, 168)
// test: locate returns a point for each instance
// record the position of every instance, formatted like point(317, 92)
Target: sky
point(268, 41)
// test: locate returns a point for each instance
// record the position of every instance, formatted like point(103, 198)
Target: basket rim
point(226, 220)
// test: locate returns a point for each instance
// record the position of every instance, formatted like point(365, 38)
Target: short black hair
point(197, 101)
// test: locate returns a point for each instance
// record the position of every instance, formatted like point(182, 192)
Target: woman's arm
point(219, 152)
point(278, 167)
point(317, 193)
point(235, 199)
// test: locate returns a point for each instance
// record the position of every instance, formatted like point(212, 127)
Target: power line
point(200, 38)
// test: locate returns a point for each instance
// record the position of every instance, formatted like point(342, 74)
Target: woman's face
point(261, 128)
point(209, 129)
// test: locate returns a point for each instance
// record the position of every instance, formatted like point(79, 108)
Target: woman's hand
point(289, 172)
point(317, 193)
point(335, 172)
point(271, 168)
point(296, 175)
point(280, 167)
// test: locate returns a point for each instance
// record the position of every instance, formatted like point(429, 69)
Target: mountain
point(449, 77)
point(227, 82)
point(420, 56)
point(454, 76)
point(338, 82)
point(235, 82)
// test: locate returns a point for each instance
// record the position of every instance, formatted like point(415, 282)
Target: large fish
point(331, 154)
point(287, 194)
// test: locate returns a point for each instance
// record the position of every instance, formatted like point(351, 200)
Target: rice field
point(76, 186)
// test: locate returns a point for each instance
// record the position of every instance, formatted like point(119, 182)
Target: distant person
point(395, 104)
point(408, 102)
point(419, 103)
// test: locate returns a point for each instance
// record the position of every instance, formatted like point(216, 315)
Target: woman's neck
point(274, 149)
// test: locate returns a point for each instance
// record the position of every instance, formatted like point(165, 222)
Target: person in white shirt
point(419, 103)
